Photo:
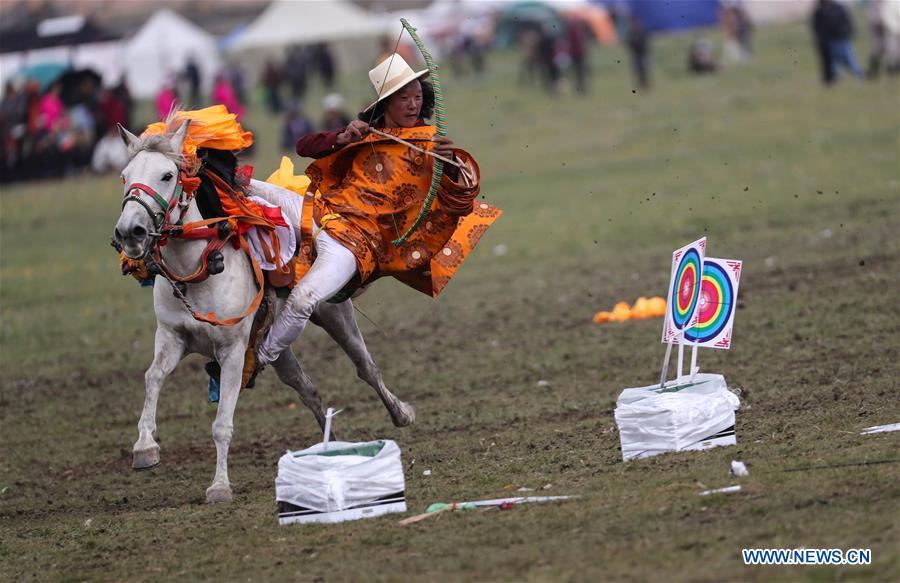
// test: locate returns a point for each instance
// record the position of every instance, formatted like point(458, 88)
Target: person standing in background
point(547, 58)
point(575, 39)
point(841, 33)
point(191, 75)
point(324, 64)
point(237, 78)
point(295, 72)
point(744, 30)
point(271, 80)
point(52, 111)
point(112, 111)
point(884, 24)
point(124, 96)
point(737, 30)
point(638, 41)
point(296, 125)
point(12, 130)
point(224, 93)
point(336, 119)
point(166, 99)
point(833, 32)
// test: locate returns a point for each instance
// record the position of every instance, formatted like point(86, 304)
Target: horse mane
point(222, 163)
point(158, 143)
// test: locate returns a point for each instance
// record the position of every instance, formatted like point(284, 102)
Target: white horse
point(154, 162)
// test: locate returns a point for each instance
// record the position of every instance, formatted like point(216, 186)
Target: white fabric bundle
point(331, 483)
point(685, 416)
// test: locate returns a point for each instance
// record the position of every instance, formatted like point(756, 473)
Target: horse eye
point(167, 176)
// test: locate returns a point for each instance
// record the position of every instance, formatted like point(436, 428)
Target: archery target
point(684, 290)
point(716, 305)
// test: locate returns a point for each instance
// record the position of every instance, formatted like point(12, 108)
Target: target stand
point(713, 300)
point(700, 307)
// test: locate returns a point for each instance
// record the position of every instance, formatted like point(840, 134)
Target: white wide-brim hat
point(390, 76)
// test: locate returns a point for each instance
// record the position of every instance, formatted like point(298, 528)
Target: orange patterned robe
point(370, 192)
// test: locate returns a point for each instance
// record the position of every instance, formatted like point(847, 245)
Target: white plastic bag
point(683, 416)
point(325, 478)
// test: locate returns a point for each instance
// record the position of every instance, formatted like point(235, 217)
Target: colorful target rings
point(716, 304)
point(686, 291)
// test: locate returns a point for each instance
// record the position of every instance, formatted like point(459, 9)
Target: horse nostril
point(139, 232)
point(118, 236)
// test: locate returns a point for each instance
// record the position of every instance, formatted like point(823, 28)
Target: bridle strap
point(144, 189)
point(196, 230)
point(211, 318)
point(161, 217)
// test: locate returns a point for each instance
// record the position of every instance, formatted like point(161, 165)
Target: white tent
point(767, 12)
point(292, 22)
point(770, 11)
point(161, 49)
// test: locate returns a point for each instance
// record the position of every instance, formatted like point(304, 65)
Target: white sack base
point(680, 417)
point(312, 516)
point(310, 482)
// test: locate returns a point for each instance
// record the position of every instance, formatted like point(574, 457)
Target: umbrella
point(43, 73)
point(527, 14)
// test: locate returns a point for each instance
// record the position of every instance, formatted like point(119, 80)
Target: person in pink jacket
point(51, 110)
point(167, 100)
point(224, 93)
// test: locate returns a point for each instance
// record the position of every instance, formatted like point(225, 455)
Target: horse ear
point(177, 139)
point(131, 140)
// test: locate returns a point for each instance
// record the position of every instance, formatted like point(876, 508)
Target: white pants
point(333, 269)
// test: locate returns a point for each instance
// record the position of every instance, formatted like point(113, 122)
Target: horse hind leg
point(168, 352)
point(339, 322)
point(288, 369)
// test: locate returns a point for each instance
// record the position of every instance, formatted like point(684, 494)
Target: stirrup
point(251, 382)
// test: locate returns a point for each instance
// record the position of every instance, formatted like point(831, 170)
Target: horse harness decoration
point(219, 231)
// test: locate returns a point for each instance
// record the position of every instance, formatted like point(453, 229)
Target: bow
point(438, 167)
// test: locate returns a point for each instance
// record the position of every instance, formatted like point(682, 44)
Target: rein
point(218, 231)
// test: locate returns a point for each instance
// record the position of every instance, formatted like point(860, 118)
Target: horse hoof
point(216, 494)
point(405, 415)
point(145, 459)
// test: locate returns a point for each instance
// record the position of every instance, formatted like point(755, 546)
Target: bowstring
point(372, 117)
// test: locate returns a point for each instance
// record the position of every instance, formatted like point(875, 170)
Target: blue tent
point(669, 15)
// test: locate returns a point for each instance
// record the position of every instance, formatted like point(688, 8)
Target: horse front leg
point(232, 363)
point(167, 353)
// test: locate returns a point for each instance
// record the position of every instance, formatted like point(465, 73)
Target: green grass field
point(799, 181)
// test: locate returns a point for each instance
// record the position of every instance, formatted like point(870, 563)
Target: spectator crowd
point(55, 132)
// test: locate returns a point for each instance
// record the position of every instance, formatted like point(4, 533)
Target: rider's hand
point(443, 146)
point(354, 132)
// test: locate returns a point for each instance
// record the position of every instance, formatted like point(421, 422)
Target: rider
point(366, 191)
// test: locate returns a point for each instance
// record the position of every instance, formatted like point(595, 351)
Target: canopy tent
point(30, 50)
point(528, 14)
point(552, 16)
point(594, 17)
point(285, 23)
point(65, 31)
point(161, 49)
point(766, 11)
point(440, 24)
point(669, 15)
point(44, 74)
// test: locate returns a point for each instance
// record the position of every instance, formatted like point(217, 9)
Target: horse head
point(150, 181)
